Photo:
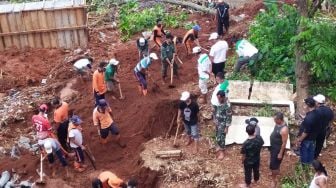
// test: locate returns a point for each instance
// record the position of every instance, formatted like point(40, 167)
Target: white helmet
point(114, 61)
point(319, 99)
point(154, 56)
point(142, 41)
point(48, 146)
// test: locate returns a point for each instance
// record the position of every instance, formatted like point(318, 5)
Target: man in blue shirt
point(141, 70)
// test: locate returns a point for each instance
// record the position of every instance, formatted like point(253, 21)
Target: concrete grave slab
point(237, 131)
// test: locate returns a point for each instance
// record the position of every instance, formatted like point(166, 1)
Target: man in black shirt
point(188, 113)
point(222, 17)
point(325, 116)
point(308, 133)
point(251, 155)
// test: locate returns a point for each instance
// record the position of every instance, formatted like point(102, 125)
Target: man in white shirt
point(247, 53)
point(83, 66)
point(76, 142)
point(218, 54)
point(223, 84)
point(204, 71)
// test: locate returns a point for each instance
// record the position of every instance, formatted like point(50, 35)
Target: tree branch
point(191, 5)
point(313, 8)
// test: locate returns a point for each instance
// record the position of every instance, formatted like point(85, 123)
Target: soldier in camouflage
point(223, 118)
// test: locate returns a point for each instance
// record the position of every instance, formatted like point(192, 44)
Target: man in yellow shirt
point(98, 82)
point(108, 179)
point(102, 118)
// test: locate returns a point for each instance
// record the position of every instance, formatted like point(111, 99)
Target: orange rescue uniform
point(61, 114)
point(109, 179)
point(103, 119)
point(188, 38)
point(98, 82)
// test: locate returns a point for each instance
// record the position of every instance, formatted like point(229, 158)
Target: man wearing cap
point(223, 119)
point(111, 71)
point(168, 56)
point(254, 122)
point(98, 83)
point(223, 84)
point(191, 36)
point(204, 71)
point(142, 45)
point(41, 123)
point(51, 147)
point(76, 142)
point(107, 179)
point(308, 132)
point(102, 118)
point(61, 122)
point(222, 17)
point(325, 116)
point(248, 54)
point(158, 31)
point(141, 71)
point(188, 113)
point(218, 54)
point(83, 66)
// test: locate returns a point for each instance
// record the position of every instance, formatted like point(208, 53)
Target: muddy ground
point(139, 118)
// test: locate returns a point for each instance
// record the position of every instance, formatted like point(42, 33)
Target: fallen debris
point(168, 154)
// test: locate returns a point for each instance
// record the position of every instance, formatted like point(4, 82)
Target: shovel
point(41, 181)
point(89, 154)
point(121, 95)
point(171, 74)
point(176, 145)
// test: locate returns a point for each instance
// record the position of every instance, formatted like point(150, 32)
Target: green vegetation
point(133, 20)
point(301, 177)
point(275, 34)
point(265, 111)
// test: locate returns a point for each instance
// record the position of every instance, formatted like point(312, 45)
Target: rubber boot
point(145, 91)
point(78, 167)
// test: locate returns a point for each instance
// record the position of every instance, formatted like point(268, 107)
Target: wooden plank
point(167, 154)
point(28, 23)
point(13, 28)
point(5, 28)
point(67, 34)
point(2, 42)
point(44, 31)
point(81, 20)
point(36, 26)
point(60, 34)
point(73, 23)
point(21, 27)
point(43, 25)
point(51, 24)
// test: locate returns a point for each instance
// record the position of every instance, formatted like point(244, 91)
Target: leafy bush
point(133, 20)
point(301, 177)
point(274, 34)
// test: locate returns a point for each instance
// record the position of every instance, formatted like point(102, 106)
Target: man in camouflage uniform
point(223, 118)
point(167, 56)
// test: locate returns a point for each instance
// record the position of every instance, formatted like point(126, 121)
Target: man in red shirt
point(41, 123)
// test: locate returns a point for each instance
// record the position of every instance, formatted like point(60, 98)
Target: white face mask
point(45, 115)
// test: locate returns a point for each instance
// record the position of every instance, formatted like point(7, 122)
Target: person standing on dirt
point(320, 179)
point(142, 45)
point(325, 116)
point(222, 17)
point(204, 72)
point(76, 142)
point(218, 54)
point(278, 140)
point(84, 66)
point(251, 156)
point(141, 71)
point(248, 54)
point(191, 37)
point(223, 84)
point(223, 119)
point(308, 132)
point(168, 57)
point(61, 122)
point(176, 41)
point(111, 71)
point(41, 123)
point(107, 179)
point(51, 147)
point(102, 118)
point(98, 83)
point(188, 114)
point(158, 32)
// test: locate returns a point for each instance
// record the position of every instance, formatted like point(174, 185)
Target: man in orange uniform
point(98, 83)
point(108, 179)
point(61, 121)
point(191, 36)
point(102, 118)
point(158, 32)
